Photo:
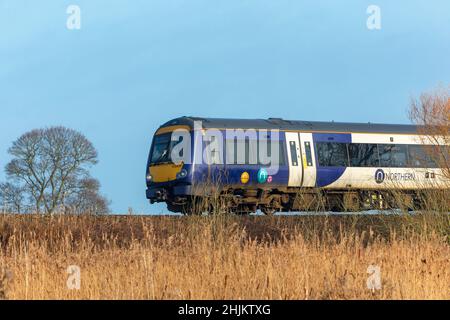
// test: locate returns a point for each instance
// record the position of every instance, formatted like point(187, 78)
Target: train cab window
point(393, 155)
point(332, 154)
point(308, 154)
point(363, 155)
point(161, 149)
point(294, 155)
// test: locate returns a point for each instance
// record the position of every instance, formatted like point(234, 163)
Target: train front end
point(168, 177)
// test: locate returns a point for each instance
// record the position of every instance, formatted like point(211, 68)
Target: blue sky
point(136, 64)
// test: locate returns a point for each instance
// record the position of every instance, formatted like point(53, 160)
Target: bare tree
point(12, 198)
point(432, 111)
point(85, 197)
point(46, 162)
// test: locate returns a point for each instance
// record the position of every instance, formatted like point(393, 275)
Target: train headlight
point(182, 174)
point(149, 178)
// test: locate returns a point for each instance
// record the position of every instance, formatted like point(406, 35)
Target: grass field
point(223, 257)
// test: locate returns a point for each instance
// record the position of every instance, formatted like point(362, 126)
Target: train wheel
point(268, 211)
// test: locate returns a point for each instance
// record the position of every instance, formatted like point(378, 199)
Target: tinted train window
point(174, 143)
point(441, 156)
point(240, 152)
point(248, 152)
point(392, 155)
point(308, 154)
point(216, 150)
point(446, 152)
point(161, 149)
point(421, 157)
point(251, 151)
point(275, 159)
point(332, 154)
point(280, 158)
point(363, 155)
point(294, 156)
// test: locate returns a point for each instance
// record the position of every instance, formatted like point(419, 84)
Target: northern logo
point(379, 176)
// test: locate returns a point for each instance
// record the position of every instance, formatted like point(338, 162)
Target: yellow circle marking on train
point(245, 177)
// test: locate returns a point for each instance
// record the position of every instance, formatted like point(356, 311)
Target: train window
point(250, 152)
point(392, 155)
point(161, 149)
point(308, 154)
point(245, 151)
point(421, 157)
point(363, 155)
point(446, 153)
point(215, 154)
point(238, 151)
point(231, 151)
point(294, 156)
point(441, 156)
point(174, 143)
point(265, 154)
point(281, 152)
point(332, 154)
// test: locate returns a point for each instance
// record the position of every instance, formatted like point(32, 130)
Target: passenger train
point(313, 165)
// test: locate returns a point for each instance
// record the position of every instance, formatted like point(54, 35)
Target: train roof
point(300, 125)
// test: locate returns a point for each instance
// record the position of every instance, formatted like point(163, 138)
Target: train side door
point(308, 159)
point(294, 159)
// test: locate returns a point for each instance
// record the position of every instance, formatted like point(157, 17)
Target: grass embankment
point(225, 257)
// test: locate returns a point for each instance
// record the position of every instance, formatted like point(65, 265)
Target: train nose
point(165, 172)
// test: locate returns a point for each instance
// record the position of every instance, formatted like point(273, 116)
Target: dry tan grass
point(225, 257)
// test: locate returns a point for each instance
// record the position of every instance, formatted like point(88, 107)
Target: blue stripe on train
point(328, 175)
point(231, 175)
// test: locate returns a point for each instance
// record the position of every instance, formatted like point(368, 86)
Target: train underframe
point(269, 201)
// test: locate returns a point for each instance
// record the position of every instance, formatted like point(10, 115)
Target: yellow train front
point(245, 165)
